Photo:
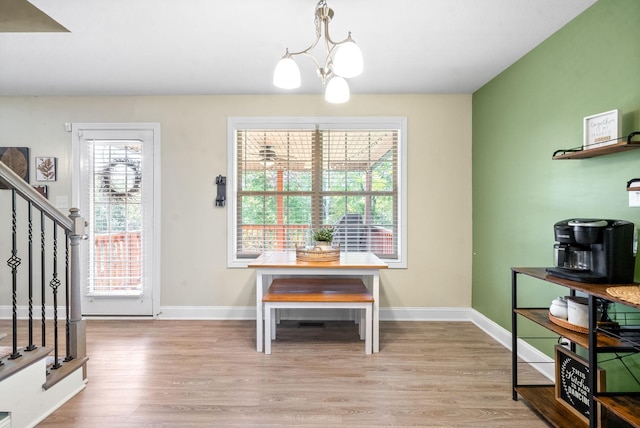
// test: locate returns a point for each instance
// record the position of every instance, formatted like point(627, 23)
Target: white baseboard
point(249, 313)
point(542, 362)
point(426, 314)
point(207, 313)
point(527, 353)
point(6, 312)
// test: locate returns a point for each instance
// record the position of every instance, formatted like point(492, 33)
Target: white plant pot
point(324, 245)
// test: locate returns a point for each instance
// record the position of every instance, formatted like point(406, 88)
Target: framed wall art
point(16, 158)
point(42, 189)
point(46, 168)
point(601, 129)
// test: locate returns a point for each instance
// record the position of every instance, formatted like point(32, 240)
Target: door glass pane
point(116, 207)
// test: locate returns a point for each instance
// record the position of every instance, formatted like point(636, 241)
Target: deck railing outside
point(117, 262)
point(258, 238)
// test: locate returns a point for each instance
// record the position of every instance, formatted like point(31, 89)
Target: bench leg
point(267, 328)
point(365, 324)
point(368, 329)
point(275, 319)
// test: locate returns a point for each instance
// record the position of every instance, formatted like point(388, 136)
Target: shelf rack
point(620, 406)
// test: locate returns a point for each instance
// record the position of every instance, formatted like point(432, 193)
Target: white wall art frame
point(602, 129)
point(46, 167)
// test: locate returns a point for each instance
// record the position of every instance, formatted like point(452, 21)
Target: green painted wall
point(520, 118)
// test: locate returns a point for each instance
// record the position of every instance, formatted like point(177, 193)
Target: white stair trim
point(22, 395)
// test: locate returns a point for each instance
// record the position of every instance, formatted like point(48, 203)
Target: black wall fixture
point(221, 198)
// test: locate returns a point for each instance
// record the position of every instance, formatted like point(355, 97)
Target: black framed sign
point(572, 382)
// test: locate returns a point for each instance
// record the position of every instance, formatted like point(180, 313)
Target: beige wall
point(193, 130)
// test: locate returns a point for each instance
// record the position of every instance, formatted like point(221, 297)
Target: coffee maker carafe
point(595, 251)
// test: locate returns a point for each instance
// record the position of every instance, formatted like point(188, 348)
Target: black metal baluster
point(54, 284)
point(31, 346)
point(69, 357)
point(43, 281)
point(13, 262)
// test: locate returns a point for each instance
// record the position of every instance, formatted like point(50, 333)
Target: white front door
point(116, 186)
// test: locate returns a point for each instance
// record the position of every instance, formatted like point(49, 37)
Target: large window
point(290, 177)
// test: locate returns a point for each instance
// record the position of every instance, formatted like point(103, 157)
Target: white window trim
point(234, 123)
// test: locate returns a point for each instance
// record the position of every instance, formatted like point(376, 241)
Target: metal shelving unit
point(623, 406)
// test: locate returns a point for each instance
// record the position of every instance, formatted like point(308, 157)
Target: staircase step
point(56, 375)
point(11, 367)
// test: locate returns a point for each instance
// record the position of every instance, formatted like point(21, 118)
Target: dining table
point(364, 265)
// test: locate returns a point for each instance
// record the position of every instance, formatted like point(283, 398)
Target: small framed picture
point(601, 129)
point(46, 168)
point(43, 190)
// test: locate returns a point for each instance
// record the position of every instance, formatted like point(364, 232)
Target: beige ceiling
point(19, 16)
point(163, 47)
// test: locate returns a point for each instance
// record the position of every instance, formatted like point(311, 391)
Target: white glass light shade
point(287, 74)
point(347, 62)
point(337, 91)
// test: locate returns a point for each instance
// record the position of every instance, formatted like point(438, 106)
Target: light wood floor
point(208, 374)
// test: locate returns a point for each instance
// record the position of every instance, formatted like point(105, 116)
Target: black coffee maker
point(595, 251)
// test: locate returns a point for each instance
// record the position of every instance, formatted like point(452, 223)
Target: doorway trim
point(76, 162)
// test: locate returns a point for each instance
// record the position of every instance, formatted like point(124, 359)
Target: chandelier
point(344, 60)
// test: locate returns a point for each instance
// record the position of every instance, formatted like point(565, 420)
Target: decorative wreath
point(107, 185)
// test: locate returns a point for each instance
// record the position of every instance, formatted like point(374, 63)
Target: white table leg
point(259, 321)
point(368, 322)
point(267, 328)
point(275, 315)
point(376, 311)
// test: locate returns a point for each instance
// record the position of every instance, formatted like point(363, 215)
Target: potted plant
point(323, 237)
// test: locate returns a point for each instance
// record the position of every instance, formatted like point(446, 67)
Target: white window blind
point(116, 209)
point(293, 181)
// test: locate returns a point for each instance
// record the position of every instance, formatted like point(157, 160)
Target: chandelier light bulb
point(347, 61)
point(286, 74)
point(337, 91)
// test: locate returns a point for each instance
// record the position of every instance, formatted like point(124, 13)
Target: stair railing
point(68, 281)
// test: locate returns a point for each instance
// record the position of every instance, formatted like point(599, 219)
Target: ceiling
point(166, 47)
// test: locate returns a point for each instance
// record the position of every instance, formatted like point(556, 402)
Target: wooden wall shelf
point(598, 151)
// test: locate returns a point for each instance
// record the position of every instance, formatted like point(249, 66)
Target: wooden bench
point(329, 293)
